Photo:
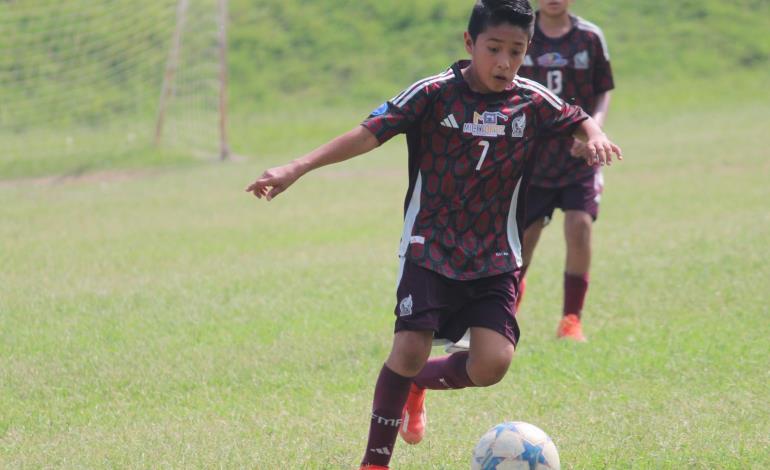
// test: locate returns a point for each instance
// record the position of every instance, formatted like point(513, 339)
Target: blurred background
point(98, 84)
point(153, 315)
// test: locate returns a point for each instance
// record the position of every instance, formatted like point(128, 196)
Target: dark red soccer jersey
point(576, 67)
point(467, 152)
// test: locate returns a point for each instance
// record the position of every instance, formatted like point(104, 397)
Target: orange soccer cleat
point(413, 418)
point(569, 328)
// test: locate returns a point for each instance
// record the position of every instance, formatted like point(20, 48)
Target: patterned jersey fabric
point(576, 67)
point(467, 155)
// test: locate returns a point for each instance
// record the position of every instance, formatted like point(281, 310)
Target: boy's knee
point(578, 230)
point(409, 354)
point(489, 372)
point(488, 378)
point(411, 364)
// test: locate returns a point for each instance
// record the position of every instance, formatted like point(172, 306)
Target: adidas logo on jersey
point(450, 121)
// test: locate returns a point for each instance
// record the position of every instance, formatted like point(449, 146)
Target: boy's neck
point(469, 74)
point(554, 26)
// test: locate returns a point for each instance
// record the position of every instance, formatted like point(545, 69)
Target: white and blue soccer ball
point(515, 445)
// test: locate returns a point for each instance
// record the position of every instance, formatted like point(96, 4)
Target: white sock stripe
point(417, 84)
point(406, 99)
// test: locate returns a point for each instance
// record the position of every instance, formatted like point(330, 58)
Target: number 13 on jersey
point(554, 78)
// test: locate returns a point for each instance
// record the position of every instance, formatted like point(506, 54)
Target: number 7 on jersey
point(485, 144)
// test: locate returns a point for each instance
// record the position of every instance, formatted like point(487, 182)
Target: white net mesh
point(81, 80)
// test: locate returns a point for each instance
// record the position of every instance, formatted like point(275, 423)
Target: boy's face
point(554, 7)
point(497, 54)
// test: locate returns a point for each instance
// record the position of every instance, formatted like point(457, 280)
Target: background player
point(569, 55)
point(470, 132)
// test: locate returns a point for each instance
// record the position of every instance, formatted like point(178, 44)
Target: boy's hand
point(274, 181)
point(599, 150)
point(578, 149)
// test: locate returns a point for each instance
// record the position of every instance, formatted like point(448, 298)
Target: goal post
point(173, 63)
point(88, 82)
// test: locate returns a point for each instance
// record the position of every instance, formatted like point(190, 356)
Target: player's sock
point(575, 288)
point(390, 395)
point(445, 373)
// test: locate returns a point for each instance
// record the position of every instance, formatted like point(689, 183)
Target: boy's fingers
point(600, 156)
point(593, 154)
point(608, 153)
point(274, 192)
point(618, 151)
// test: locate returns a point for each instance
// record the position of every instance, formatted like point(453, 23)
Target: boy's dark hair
point(494, 12)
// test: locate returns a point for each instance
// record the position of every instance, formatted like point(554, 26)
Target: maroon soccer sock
point(390, 396)
point(445, 372)
point(575, 288)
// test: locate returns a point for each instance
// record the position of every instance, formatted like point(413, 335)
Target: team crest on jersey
point(552, 59)
point(405, 306)
point(581, 60)
point(486, 124)
point(518, 125)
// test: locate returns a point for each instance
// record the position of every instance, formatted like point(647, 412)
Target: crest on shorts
point(518, 125)
point(405, 306)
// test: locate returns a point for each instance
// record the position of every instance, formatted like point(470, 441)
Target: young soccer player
point(569, 55)
point(470, 132)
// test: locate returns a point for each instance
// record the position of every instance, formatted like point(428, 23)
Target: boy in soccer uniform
point(569, 55)
point(470, 132)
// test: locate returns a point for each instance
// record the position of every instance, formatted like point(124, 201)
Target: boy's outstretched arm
point(275, 180)
point(599, 148)
point(601, 107)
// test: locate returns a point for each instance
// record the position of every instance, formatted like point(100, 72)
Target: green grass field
point(153, 315)
point(165, 319)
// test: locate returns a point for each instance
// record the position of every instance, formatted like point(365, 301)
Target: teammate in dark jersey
point(470, 132)
point(569, 55)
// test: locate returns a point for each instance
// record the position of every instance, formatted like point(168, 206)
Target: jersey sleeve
point(602, 76)
point(555, 117)
point(397, 115)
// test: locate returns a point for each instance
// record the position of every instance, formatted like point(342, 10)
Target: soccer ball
point(515, 446)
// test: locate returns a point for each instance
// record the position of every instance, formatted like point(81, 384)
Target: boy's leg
point(484, 364)
point(408, 355)
point(541, 202)
point(581, 207)
point(440, 373)
point(528, 244)
point(490, 355)
point(577, 233)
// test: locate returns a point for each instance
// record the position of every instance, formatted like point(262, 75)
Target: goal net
point(95, 81)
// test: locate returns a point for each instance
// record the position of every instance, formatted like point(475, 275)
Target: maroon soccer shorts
point(583, 195)
point(428, 301)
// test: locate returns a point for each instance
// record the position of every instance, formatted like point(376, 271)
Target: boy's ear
point(468, 42)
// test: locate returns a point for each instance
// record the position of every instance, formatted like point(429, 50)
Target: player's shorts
point(428, 301)
point(583, 195)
